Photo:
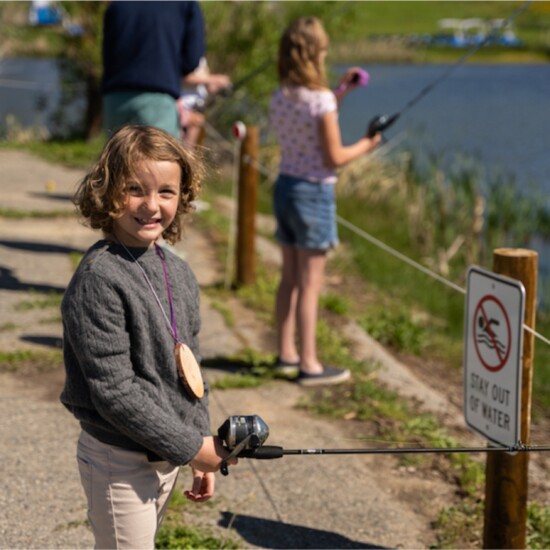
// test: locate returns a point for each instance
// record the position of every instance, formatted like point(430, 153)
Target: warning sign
point(493, 344)
point(492, 334)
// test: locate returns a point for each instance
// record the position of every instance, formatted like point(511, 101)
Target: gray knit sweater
point(121, 377)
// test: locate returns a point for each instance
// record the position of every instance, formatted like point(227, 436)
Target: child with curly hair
point(131, 323)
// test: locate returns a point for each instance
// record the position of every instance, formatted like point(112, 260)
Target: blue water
point(499, 114)
point(30, 92)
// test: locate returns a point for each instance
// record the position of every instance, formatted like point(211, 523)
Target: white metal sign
point(493, 345)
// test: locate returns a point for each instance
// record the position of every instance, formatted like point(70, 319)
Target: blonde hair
point(102, 194)
point(300, 51)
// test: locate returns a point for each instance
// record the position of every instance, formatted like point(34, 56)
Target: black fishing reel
point(244, 437)
point(379, 123)
point(251, 429)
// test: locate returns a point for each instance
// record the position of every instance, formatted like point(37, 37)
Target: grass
point(26, 360)
point(13, 214)
point(395, 329)
point(182, 537)
point(369, 22)
point(335, 303)
point(74, 154)
point(41, 301)
point(538, 526)
point(247, 369)
point(172, 534)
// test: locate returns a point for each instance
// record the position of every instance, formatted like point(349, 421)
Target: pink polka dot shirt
point(295, 115)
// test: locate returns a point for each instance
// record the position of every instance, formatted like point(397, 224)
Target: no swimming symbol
point(492, 333)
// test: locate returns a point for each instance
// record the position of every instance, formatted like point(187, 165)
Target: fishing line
point(256, 475)
point(381, 122)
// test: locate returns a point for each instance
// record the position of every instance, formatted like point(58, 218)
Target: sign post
point(506, 475)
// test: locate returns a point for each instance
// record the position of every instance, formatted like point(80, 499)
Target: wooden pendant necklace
point(187, 366)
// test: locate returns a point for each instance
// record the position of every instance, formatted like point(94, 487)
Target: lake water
point(30, 91)
point(499, 114)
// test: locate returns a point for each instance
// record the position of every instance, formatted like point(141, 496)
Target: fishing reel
point(379, 123)
point(250, 429)
point(244, 437)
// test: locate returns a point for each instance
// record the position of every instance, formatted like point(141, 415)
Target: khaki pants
point(127, 495)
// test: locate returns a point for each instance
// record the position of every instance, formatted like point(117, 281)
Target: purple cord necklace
point(186, 363)
point(171, 324)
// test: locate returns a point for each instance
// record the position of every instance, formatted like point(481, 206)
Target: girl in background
point(304, 114)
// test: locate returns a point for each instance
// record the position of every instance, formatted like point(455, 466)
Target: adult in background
point(148, 48)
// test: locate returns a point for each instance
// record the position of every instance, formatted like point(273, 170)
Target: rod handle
point(379, 123)
point(266, 452)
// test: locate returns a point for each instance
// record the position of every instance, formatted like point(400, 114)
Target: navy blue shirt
point(149, 46)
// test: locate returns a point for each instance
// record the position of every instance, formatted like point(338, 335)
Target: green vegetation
point(538, 526)
point(189, 537)
point(395, 329)
point(73, 153)
point(174, 535)
point(36, 361)
point(41, 301)
point(360, 32)
point(10, 213)
point(460, 526)
point(335, 303)
point(402, 313)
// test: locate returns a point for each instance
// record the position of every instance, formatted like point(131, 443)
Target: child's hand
point(376, 139)
point(203, 486)
point(210, 455)
point(353, 77)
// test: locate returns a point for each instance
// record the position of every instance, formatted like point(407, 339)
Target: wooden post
point(246, 216)
point(201, 136)
point(506, 482)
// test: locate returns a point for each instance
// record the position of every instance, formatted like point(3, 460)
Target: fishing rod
point(381, 122)
point(244, 436)
point(226, 93)
point(231, 90)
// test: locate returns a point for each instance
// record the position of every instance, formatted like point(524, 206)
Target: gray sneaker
point(287, 369)
point(329, 377)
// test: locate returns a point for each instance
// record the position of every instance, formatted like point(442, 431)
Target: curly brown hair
point(300, 51)
point(101, 195)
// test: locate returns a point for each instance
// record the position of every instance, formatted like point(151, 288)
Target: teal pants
point(152, 109)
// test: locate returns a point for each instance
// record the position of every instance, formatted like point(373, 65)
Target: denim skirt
point(305, 213)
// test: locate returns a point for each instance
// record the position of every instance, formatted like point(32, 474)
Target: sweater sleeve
point(96, 328)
